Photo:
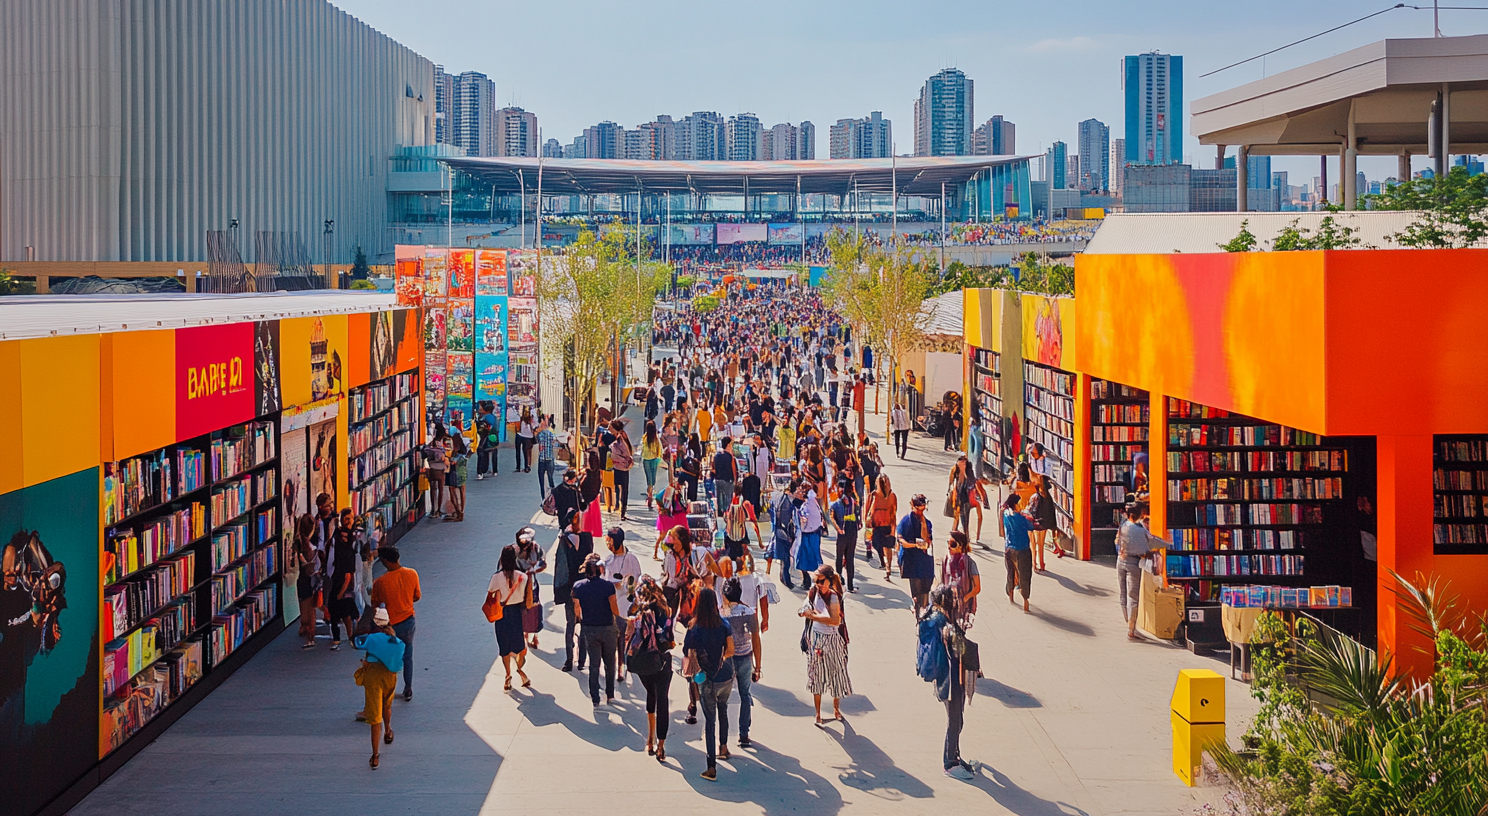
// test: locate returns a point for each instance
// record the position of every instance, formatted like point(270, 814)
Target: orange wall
point(60, 382)
point(1243, 332)
point(1407, 341)
point(139, 392)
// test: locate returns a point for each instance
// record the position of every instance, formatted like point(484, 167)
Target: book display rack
point(986, 391)
point(1246, 498)
point(190, 559)
point(383, 467)
point(1119, 419)
point(1049, 416)
point(1459, 482)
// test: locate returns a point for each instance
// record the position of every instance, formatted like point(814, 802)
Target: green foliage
point(1330, 235)
point(1338, 734)
point(1245, 241)
point(686, 282)
point(363, 284)
point(10, 286)
point(1037, 275)
point(706, 303)
point(359, 268)
point(958, 275)
point(1453, 207)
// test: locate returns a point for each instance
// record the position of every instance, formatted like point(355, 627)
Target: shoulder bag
point(493, 608)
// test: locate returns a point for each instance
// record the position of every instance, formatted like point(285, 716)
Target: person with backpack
point(1018, 555)
point(845, 515)
point(940, 647)
point(488, 440)
point(568, 557)
point(881, 510)
point(649, 657)
point(958, 570)
point(783, 523)
point(825, 641)
point(744, 622)
point(709, 647)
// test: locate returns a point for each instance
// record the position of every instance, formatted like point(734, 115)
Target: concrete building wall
point(129, 128)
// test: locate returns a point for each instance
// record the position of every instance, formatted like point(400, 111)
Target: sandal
point(650, 748)
point(387, 737)
point(507, 685)
point(526, 682)
point(373, 762)
point(660, 754)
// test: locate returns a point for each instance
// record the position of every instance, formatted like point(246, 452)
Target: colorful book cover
point(1345, 596)
point(1318, 596)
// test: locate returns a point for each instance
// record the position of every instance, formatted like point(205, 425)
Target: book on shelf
point(1181, 434)
point(230, 584)
point(128, 550)
point(1465, 480)
point(242, 447)
point(1210, 538)
point(1257, 461)
point(1049, 379)
point(128, 602)
point(231, 500)
point(232, 627)
point(1318, 489)
point(1462, 450)
point(1228, 566)
point(1249, 596)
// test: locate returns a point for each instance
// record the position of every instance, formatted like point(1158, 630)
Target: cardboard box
point(1161, 609)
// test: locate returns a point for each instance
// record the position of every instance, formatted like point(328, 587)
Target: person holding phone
point(623, 570)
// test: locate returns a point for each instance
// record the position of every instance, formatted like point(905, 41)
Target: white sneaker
point(960, 772)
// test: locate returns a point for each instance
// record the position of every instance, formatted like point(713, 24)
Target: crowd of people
point(753, 453)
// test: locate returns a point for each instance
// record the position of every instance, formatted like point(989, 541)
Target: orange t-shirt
point(397, 590)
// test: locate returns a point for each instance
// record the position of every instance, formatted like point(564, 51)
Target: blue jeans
point(404, 630)
point(724, 490)
point(743, 676)
point(714, 699)
point(544, 477)
point(650, 466)
point(785, 564)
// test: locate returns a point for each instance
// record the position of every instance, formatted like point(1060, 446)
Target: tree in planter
point(359, 268)
point(1375, 743)
point(879, 293)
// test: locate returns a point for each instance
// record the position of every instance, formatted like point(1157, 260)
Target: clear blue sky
point(1044, 65)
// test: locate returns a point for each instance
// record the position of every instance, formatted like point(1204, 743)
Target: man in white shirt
point(899, 420)
point(622, 569)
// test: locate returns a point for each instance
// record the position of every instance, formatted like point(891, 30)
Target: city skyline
point(1082, 62)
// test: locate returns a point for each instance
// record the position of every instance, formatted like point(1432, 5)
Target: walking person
point(943, 640)
point(916, 561)
point(783, 526)
point(899, 422)
point(809, 523)
point(651, 458)
point(709, 647)
point(845, 515)
point(308, 584)
point(671, 511)
point(826, 658)
point(882, 511)
point(597, 606)
point(378, 677)
point(958, 493)
point(341, 604)
point(510, 587)
point(568, 558)
point(454, 476)
point(622, 458)
point(436, 461)
point(1134, 542)
point(547, 455)
point(725, 474)
point(748, 660)
point(488, 441)
point(649, 657)
point(1041, 510)
point(397, 590)
point(622, 569)
point(958, 570)
point(1018, 555)
point(531, 560)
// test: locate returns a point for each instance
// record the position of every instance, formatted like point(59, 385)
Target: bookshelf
point(986, 391)
point(190, 545)
point(1120, 417)
point(1049, 419)
point(382, 427)
point(1247, 499)
point(1459, 482)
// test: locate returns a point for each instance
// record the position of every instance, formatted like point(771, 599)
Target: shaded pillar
point(1242, 179)
point(1405, 545)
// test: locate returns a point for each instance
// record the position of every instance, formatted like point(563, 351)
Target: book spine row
point(136, 484)
point(1276, 597)
point(369, 435)
point(1256, 461)
point(1110, 474)
point(1458, 506)
point(1460, 533)
point(1247, 436)
point(1110, 494)
point(404, 384)
point(369, 400)
point(229, 545)
point(1105, 389)
point(1200, 539)
point(1214, 515)
point(1460, 480)
point(1183, 409)
point(378, 459)
point(266, 523)
point(125, 713)
point(987, 358)
point(265, 485)
point(191, 470)
point(1474, 450)
point(1118, 433)
point(986, 383)
point(1049, 380)
point(1122, 413)
point(1236, 488)
point(1225, 566)
point(127, 603)
point(234, 454)
point(229, 585)
point(232, 500)
point(1116, 453)
point(230, 629)
point(134, 550)
point(377, 490)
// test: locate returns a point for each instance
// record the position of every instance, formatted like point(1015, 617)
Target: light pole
point(326, 237)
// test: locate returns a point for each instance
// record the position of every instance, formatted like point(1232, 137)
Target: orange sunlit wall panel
point(140, 391)
point(1243, 332)
point(60, 385)
point(1407, 341)
point(10, 416)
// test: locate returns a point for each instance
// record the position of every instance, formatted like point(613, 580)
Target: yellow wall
point(59, 387)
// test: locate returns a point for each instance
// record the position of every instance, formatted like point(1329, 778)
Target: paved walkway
point(1071, 718)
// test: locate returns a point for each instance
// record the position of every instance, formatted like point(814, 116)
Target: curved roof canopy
point(918, 176)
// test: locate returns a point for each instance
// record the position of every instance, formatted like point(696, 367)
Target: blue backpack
point(932, 663)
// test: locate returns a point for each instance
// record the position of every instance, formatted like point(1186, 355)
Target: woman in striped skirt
point(826, 659)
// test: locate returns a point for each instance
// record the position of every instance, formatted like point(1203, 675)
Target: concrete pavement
point(1070, 719)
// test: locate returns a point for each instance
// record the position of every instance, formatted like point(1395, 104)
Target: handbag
point(494, 608)
point(971, 656)
point(550, 504)
point(950, 506)
point(806, 637)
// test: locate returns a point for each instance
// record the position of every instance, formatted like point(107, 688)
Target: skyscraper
point(661, 137)
point(806, 141)
point(742, 134)
point(444, 94)
point(516, 132)
point(701, 137)
point(604, 141)
point(1153, 85)
point(1118, 166)
point(1058, 163)
point(943, 115)
point(780, 143)
point(1095, 156)
point(472, 115)
point(995, 137)
point(552, 149)
point(871, 137)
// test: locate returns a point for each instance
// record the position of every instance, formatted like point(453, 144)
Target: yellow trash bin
point(1198, 718)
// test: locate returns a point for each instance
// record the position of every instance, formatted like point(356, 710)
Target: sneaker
point(745, 742)
point(712, 774)
point(971, 765)
point(407, 695)
point(567, 667)
point(960, 772)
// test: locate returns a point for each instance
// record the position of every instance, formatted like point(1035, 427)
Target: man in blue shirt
point(1018, 555)
point(915, 561)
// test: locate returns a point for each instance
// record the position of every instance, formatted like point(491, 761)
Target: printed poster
point(435, 272)
point(490, 356)
point(490, 272)
point(461, 274)
point(214, 378)
point(267, 396)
